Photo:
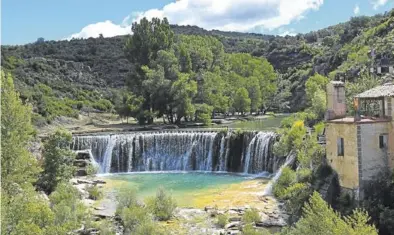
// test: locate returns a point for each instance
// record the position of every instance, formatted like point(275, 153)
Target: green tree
point(23, 210)
point(254, 91)
point(315, 88)
point(242, 101)
point(142, 49)
point(320, 218)
point(183, 90)
point(247, 66)
point(130, 106)
point(58, 160)
point(18, 167)
point(378, 201)
point(203, 113)
point(213, 89)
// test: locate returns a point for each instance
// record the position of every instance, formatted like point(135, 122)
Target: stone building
point(360, 146)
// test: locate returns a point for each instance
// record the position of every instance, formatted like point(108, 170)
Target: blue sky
point(23, 21)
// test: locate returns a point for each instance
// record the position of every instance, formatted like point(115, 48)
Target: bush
point(91, 169)
point(106, 228)
point(249, 230)
point(251, 216)
point(94, 192)
point(222, 220)
point(126, 197)
point(304, 175)
point(68, 210)
point(133, 216)
point(287, 178)
point(162, 206)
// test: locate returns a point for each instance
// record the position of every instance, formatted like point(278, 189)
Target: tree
point(320, 218)
point(23, 210)
point(183, 90)
point(130, 106)
point(242, 101)
point(142, 48)
point(254, 91)
point(58, 161)
point(213, 89)
point(18, 167)
point(378, 201)
point(248, 66)
point(315, 88)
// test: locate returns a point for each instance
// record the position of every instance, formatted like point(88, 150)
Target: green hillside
point(61, 78)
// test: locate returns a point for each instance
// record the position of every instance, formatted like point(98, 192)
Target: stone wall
point(373, 158)
point(346, 166)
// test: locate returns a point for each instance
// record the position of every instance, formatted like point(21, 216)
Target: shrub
point(106, 228)
point(103, 105)
point(126, 197)
point(68, 210)
point(249, 230)
point(94, 192)
point(304, 175)
point(251, 216)
point(222, 220)
point(162, 206)
point(287, 178)
point(91, 169)
point(133, 216)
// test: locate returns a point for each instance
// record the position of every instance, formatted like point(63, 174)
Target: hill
point(63, 77)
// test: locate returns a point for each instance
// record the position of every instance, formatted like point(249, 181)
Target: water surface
point(270, 123)
point(189, 189)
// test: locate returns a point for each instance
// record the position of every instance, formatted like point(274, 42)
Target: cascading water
point(180, 151)
point(289, 160)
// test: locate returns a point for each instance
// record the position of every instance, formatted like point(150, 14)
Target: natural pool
point(194, 189)
point(269, 123)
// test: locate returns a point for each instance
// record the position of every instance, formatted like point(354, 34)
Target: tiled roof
point(386, 90)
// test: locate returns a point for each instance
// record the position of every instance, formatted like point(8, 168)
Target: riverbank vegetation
point(24, 210)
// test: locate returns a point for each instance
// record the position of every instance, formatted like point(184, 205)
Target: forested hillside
point(62, 77)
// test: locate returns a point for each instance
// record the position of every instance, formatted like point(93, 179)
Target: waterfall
point(248, 152)
point(289, 160)
point(222, 153)
point(258, 157)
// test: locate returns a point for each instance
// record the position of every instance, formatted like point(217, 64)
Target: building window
point(340, 147)
point(383, 140)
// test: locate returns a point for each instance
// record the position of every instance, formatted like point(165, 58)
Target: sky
point(24, 21)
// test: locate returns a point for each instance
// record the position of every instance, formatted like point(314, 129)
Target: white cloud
point(228, 15)
point(378, 3)
point(284, 32)
point(356, 9)
point(106, 28)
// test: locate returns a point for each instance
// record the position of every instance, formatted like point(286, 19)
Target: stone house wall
point(346, 166)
